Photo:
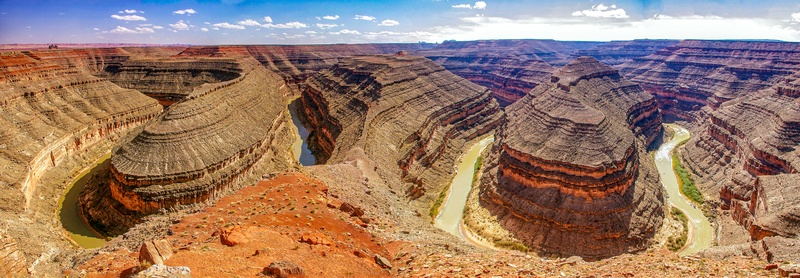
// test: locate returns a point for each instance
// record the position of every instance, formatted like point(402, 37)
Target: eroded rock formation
point(51, 110)
point(569, 173)
point(691, 75)
point(407, 113)
point(618, 52)
point(220, 137)
point(170, 80)
point(748, 154)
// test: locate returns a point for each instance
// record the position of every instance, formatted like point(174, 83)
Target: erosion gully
point(700, 230)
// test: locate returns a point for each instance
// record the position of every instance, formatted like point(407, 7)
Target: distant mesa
point(569, 173)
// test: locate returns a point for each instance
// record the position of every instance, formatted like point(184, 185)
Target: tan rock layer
point(745, 143)
point(50, 112)
point(692, 75)
point(220, 137)
point(569, 174)
point(408, 113)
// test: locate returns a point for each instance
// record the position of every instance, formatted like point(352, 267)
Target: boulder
point(382, 262)
point(284, 269)
point(232, 236)
point(163, 271)
point(155, 252)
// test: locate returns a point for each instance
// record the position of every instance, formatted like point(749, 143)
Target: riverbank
point(75, 228)
point(699, 228)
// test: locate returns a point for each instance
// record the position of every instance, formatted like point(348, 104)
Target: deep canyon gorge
point(205, 155)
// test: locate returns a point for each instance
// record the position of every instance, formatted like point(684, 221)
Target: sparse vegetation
point(438, 203)
point(686, 183)
point(676, 242)
point(506, 244)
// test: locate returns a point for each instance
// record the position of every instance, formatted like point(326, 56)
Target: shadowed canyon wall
point(569, 173)
point(407, 113)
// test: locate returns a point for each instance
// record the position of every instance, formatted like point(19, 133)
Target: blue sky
point(340, 21)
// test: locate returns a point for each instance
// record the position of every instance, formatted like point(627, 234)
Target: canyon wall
point(693, 75)
point(170, 80)
point(618, 52)
point(407, 113)
point(52, 108)
point(569, 173)
point(748, 154)
point(220, 137)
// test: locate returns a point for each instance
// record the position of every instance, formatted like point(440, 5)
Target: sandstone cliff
point(745, 143)
point(51, 110)
point(618, 52)
point(691, 75)
point(407, 113)
point(171, 79)
point(569, 173)
point(220, 137)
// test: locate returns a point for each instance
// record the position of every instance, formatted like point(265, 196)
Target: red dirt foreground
point(289, 218)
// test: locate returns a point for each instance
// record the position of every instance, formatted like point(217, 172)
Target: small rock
point(787, 269)
point(360, 253)
point(162, 271)
point(352, 210)
point(315, 238)
point(155, 252)
point(232, 236)
point(283, 269)
point(770, 266)
point(382, 262)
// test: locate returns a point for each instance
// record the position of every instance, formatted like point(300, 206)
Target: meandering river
point(700, 229)
point(300, 147)
point(74, 226)
point(449, 218)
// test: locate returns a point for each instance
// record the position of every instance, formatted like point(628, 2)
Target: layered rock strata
point(695, 74)
point(748, 154)
point(51, 111)
point(221, 136)
point(618, 52)
point(407, 113)
point(295, 63)
point(569, 173)
point(170, 80)
point(510, 76)
point(555, 53)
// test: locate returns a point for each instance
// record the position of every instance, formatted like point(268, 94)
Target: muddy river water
point(74, 226)
point(700, 229)
point(452, 211)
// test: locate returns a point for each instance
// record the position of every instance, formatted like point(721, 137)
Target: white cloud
point(157, 27)
point(180, 25)
point(96, 29)
point(345, 32)
point(146, 25)
point(480, 5)
point(249, 22)
point(326, 26)
point(331, 17)
point(129, 17)
point(796, 17)
point(228, 26)
point(186, 12)
point(267, 19)
point(130, 11)
point(298, 36)
point(389, 22)
point(601, 10)
point(690, 27)
point(364, 17)
point(137, 30)
point(204, 29)
point(311, 32)
point(288, 25)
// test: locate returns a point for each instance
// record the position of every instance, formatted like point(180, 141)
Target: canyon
point(569, 174)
